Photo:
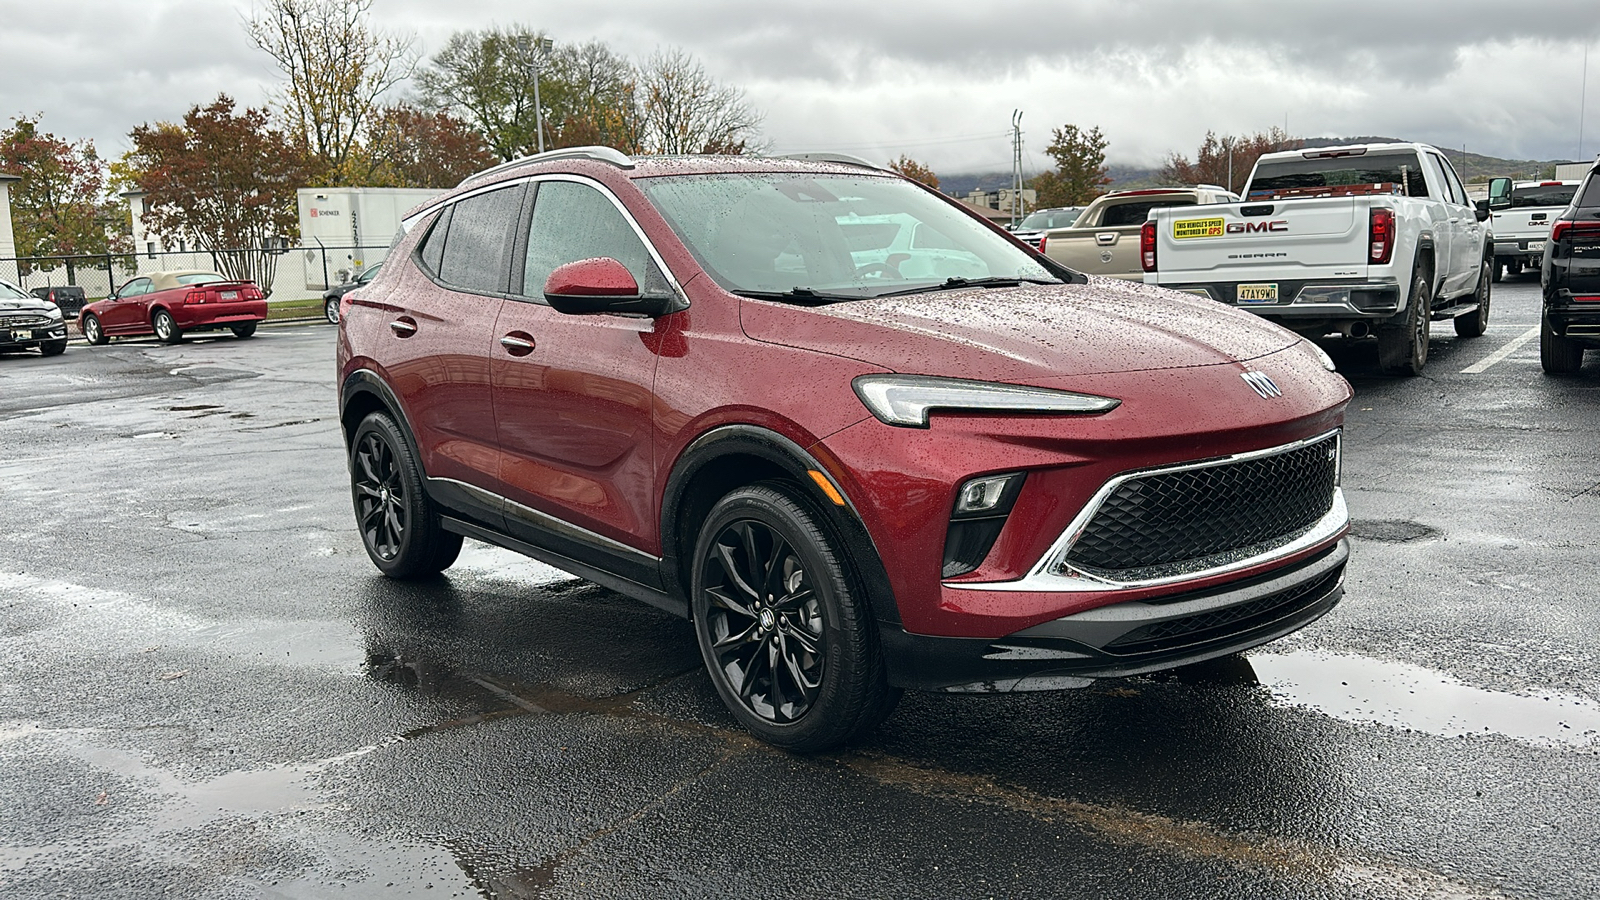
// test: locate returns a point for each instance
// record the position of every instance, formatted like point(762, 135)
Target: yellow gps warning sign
point(1184, 229)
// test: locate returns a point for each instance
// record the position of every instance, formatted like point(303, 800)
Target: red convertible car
point(171, 304)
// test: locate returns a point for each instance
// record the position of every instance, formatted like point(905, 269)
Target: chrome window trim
point(1041, 578)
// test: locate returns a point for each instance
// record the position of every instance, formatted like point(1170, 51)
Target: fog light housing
point(981, 507)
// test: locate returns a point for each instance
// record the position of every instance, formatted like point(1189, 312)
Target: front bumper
point(32, 335)
point(1129, 638)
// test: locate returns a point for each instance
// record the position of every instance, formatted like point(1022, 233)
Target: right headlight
point(906, 400)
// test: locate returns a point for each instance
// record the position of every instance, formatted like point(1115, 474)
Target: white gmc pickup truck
point(1523, 213)
point(1369, 239)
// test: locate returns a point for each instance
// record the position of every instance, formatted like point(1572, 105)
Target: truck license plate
point(1536, 245)
point(1258, 293)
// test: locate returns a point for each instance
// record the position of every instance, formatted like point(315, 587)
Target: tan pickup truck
point(1105, 239)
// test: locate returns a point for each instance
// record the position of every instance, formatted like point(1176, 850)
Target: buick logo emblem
point(1261, 384)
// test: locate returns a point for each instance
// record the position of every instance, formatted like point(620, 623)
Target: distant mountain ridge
point(1474, 167)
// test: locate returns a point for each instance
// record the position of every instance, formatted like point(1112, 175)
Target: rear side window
point(1136, 213)
point(432, 251)
point(574, 221)
point(477, 247)
point(1591, 193)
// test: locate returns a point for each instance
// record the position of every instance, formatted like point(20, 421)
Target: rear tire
point(782, 625)
point(1558, 355)
point(243, 331)
point(166, 327)
point(1499, 269)
point(399, 525)
point(92, 332)
point(1474, 324)
point(1403, 349)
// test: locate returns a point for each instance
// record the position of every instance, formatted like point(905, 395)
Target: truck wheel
point(1474, 324)
point(1514, 268)
point(1403, 349)
point(1499, 267)
point(1558, 355)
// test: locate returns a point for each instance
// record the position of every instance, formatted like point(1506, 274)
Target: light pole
point(537, 48)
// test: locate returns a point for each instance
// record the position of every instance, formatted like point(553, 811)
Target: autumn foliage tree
point(227, 179)
point(1211, 164)
point(60, 207)
point(338, 66)
point(1080, 173)
point(915, 171)
point(410, 147)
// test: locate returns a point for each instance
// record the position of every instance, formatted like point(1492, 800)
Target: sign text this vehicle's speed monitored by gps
point(1183, 229)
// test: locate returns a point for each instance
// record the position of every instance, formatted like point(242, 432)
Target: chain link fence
point(303, 273)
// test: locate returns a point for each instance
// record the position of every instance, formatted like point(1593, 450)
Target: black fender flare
point(369, 383)
point(795, 461)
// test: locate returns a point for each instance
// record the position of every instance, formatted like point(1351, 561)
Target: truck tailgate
point(1225, 242)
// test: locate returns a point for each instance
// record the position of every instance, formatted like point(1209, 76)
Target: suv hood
point(1026, 333)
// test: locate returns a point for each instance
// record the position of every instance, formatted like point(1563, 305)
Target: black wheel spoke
point(730, 604)
point(730, 568)
point(807, 641)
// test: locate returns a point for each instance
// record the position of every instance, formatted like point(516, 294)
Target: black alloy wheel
point(399, 527)
point(789, 646)
point(166, 327)
point(92, 332)
point(1475, 323)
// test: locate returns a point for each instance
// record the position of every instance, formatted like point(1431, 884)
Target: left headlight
point(906, 400)
point(54, 312)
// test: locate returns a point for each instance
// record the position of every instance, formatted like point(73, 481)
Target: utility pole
point(537, 48)
point(1016, 167)
point(1583, 99)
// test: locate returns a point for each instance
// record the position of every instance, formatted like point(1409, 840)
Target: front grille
point(1226, 622)
point(1171, 518)
point(24, 321)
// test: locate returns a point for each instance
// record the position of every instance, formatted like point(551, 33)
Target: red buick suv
point(863, 439)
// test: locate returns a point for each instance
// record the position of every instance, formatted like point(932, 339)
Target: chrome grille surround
point(1054, 573)
point(27, 321)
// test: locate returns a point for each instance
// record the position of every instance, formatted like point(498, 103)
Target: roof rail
point(601, 154)
point(827, 156)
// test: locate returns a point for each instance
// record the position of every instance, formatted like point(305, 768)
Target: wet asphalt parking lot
point(206, 690)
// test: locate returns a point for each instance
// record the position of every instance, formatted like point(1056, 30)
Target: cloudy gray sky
point(934, 79)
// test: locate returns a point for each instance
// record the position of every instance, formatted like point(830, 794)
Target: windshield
point(832, 237)
point(1346, 171)
point(11, 292)
point(1543, 195)
point(1051, 218)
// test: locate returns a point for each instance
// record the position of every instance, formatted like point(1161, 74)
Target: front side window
point(135, 287)
point(826, 238)
point(573, 221)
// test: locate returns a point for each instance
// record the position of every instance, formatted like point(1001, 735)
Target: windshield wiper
point(961, 284)
point(800, 294)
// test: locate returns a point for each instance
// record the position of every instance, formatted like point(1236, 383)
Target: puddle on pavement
point(1391, 531)
point(1401, 695)
point(487, 561)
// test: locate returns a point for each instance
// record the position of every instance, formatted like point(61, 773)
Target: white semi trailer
point(345, 230)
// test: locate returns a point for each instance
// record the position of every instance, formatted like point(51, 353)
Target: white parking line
point(1512, 346)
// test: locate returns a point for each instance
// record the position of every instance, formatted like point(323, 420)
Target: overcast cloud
point(936, 80)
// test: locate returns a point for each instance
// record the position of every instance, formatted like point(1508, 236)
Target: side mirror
point(1499, 193)
point(1482, 208)
point(600, 285)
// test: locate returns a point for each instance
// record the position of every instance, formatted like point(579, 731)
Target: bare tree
point(486, 78)
point(684, 110)
point(338, 67)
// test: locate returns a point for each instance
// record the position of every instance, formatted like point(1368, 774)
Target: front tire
point(399, 526)
point(53, 348)
point(166, 327)
point(1558, 355)
point(330, 310)
point(92, 332)
point(243, 331)
point(1474, 324)
point(1403, 349)
point(782, 626)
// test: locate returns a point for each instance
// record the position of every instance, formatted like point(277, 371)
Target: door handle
point(1106, 238)
point(403, 327)
point(517, 344)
